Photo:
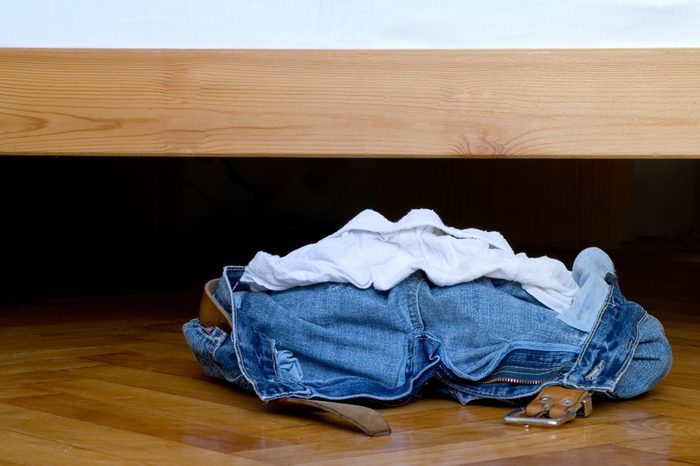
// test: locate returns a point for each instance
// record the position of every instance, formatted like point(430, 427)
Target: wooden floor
point(109, 379)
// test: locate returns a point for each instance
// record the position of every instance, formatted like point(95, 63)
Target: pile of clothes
point(380, 311)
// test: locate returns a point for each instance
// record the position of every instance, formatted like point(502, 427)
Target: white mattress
point(349, 24)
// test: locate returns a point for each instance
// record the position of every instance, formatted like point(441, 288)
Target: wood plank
point(79, 434)
point(121, 415)
point(461, 448)
point(53, 364)
point(430, 103)
point(221, 415)
point(669, 425)
point(151, 362)
point(22, 357)
point(204, 389)
point(20, 390)
point(675, 447)
point(605, 454)
point(26, 449)
point(316, 441)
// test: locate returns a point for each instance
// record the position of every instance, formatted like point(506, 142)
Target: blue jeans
point(482, 339)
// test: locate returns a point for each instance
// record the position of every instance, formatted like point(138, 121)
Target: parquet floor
point(109, 380)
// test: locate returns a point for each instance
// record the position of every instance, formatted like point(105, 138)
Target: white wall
point(349, 23)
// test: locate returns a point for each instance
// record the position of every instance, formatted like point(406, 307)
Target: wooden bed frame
point(606, 103)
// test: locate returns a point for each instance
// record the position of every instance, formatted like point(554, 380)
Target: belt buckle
point(552, 407)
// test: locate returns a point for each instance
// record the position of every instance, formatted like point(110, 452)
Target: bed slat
point(435, 103)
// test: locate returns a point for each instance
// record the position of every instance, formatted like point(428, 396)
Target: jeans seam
point(630, 351)
point(415, 313)
point(592, 333)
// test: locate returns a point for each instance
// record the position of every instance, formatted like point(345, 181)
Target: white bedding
point(350, 24)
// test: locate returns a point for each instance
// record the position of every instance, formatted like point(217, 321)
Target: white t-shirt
point(371, 251)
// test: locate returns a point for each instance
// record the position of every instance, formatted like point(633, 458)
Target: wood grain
point(433, 103)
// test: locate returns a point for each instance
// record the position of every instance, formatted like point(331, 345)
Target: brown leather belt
point(211, 313)
point(552, 407)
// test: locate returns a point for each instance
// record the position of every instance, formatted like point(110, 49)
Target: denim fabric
point(482, 339)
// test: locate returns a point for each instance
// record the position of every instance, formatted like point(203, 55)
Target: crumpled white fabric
point(372, 251)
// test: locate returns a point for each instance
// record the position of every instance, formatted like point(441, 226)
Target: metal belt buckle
point(566, 403)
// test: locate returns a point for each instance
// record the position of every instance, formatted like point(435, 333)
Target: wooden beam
point(433, 103)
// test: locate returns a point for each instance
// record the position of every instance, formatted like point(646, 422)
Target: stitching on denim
point(595, 327)
point(416, 306)
point(210, 355)
point(630, 352)
point(596, 371)
point(409, 359)
point(273, 349)
point(526, 371)
point(237, 348)
point(235, 339)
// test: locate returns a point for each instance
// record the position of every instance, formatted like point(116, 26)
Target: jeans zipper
point(521, 381)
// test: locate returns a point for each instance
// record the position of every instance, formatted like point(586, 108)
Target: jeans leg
point(650, 363)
